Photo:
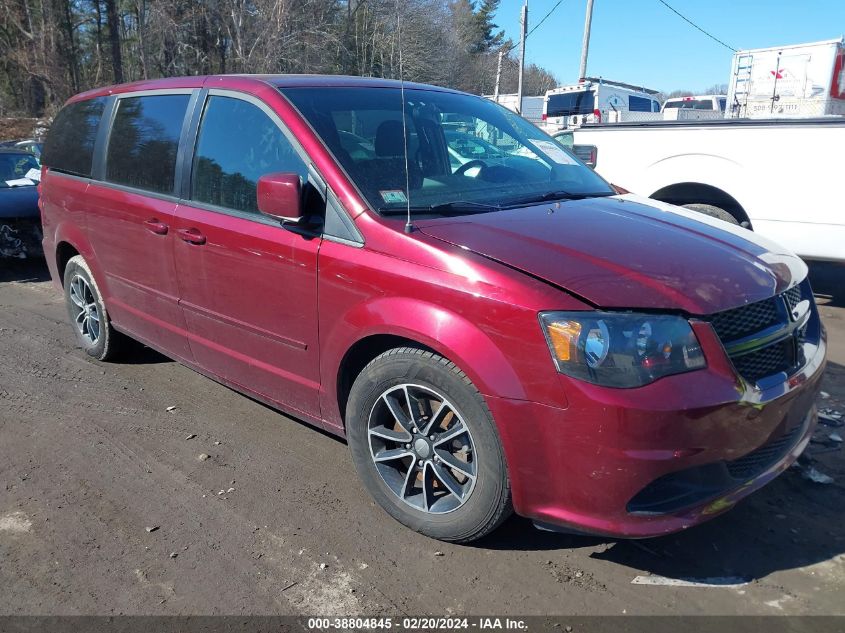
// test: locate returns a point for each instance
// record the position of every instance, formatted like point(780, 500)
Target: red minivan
point(490, 325)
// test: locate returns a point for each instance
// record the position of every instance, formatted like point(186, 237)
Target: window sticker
point(393, 196)
point(33, 174)
point(554, 152)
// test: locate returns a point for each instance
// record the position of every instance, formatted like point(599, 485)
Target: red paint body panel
point(273, 312)
point(608, 445)
point(622, 254)
point(139, 280)
point(470, 313)
point(249, 297)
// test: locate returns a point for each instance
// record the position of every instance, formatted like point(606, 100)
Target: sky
point(642, 42)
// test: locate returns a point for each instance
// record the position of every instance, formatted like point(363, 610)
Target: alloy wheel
point(422, 448)
point(86, 314)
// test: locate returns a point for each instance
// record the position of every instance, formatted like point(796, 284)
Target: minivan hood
point(621, 252)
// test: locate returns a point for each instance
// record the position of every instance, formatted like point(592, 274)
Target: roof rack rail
point(620, 84)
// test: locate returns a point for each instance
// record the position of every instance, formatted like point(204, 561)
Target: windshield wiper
point(443, 207)
point(560, 194)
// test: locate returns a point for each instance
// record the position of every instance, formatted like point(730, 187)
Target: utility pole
point(585, 45)
point(524, 22)
point(498, 78)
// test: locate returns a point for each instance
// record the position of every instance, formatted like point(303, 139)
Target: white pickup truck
point(781, 178)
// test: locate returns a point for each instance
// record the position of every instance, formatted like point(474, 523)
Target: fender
point(449, 334)
point(706, 169)
point(70, 233)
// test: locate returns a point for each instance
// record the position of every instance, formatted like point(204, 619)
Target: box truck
point(805, 80)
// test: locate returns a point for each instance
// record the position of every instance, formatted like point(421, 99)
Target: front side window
point(237, 144)
point(144, 140)
point(494, 158)
point(70, 142)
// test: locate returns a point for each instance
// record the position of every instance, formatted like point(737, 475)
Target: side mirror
point(280, 196)
point(587, 153)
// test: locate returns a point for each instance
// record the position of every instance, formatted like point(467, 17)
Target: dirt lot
point(91, 456)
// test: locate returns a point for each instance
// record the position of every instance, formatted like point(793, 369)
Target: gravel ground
point(107, 508)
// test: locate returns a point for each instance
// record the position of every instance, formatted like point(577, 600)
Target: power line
point(544, 18)
point(507, 51)
point(694, 25)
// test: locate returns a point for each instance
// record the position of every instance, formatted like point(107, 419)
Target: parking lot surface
point(108, 505)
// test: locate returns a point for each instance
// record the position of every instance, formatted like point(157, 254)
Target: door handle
point(154, 226)
point(193, 236)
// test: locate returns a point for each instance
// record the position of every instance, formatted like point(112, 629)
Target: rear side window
point(691, 104)
point(569, 103)
point(238, 143)
point(639, 104)
point(143, 142)
point(70, 142)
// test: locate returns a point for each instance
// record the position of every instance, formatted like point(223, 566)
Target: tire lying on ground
point(425, 446)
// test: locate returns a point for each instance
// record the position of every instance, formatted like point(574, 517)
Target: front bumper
point(661, 458)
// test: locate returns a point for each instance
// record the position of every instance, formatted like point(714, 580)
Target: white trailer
point(779, 177)
point(594, 100)
point(805, 80)
point(532, 107)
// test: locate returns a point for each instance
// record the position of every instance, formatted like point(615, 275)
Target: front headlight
point(620, 349)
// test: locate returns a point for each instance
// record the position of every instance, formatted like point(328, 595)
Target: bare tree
point(54, 48)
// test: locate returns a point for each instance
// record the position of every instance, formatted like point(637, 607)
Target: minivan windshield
point(493, 159)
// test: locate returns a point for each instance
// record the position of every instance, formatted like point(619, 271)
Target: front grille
point(738, 323)
point(765, 361)
point(793, 296)
point(737, 329)
point(756, 462)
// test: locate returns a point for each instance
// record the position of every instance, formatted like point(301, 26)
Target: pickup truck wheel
point(87, 312)
point(425, 446)
point(713, 212)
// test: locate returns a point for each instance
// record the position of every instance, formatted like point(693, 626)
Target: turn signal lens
point(563, 336)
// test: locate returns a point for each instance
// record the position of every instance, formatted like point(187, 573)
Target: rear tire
point(461, 491)
point(87, 312)
point(712, 211)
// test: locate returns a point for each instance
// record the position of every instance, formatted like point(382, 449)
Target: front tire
point(425, 446)
point(87, 312)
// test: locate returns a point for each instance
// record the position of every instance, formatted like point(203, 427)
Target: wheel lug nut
point(407, 446)
point(420, 463)
point(431, 437)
